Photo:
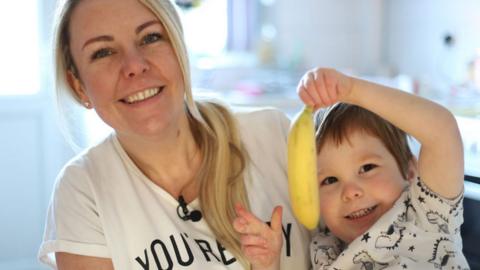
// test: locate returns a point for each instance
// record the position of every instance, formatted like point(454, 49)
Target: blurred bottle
point(475, 70)
point(265, 46)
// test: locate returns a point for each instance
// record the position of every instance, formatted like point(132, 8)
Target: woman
point(159, 193)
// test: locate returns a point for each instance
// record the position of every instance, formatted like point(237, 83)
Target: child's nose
point(351, 191)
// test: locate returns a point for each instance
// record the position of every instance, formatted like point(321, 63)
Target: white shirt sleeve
point(73, 222)
point(434, 212)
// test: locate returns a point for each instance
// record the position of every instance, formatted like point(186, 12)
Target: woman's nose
point(351, 191)
point(134, 64)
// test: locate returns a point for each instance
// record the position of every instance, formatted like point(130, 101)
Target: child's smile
point(361, 213)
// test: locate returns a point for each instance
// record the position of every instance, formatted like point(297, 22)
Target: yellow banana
point(302, 169)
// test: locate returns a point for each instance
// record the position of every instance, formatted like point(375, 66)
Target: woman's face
point(126, 66)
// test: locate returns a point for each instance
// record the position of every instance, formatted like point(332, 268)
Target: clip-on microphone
point(184, 214)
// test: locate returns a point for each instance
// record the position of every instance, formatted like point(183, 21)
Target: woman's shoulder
point(266, 119)
point(256, 112)
point(264, 132)
point(81, 165)
point(93, 152)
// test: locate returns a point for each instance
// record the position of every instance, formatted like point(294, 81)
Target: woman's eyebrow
point(145, 25)
point(96, 39)
point(110, 38)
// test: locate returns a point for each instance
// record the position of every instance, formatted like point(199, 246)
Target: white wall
point(344, 34)
point(414, 38)
point(375, 36)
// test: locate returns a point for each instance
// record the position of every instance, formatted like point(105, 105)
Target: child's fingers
point(276, 221)
point(247, 223)
point(249, 217)
point(323, 89)
point(338, 83)
point(303, 92)
point(305, 97)
point(306, 89)
point(239, 224)
point(310, 85)
point(253, 240)
point(254, 251)
point(256, 228)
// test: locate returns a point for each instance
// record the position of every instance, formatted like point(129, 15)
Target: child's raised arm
point(440, 161)
point(261, 243)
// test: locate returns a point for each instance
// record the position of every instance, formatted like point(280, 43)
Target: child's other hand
point(261, 243)
point(322, 87)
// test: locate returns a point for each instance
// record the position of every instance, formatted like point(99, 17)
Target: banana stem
point(308, 108)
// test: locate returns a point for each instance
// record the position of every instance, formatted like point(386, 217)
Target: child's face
point(359, 181)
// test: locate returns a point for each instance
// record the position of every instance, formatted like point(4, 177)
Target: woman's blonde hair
point(215, 130)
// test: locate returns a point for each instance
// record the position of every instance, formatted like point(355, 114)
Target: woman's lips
point(142, 95)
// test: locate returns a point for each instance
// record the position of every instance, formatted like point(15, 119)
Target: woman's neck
point(171, 160)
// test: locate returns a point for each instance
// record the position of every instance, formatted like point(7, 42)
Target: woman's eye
point(367, 167)
point(101, 53)
point(151, 38)
point(328, 181)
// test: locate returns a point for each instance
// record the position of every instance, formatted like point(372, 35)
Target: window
point(19, 52)
point(206, 27)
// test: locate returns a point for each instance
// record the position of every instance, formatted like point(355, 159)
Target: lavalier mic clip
point(184, 214)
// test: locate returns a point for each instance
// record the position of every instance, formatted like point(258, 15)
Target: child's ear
point(77, 87)
point(412, 172)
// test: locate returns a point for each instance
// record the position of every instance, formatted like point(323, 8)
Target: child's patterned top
point(421, 231)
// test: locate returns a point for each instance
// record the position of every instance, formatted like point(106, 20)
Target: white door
point(32, 150)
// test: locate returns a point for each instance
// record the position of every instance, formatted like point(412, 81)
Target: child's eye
point(367, 167)
point(101, 53)
point(328, 181)
point(151, 38)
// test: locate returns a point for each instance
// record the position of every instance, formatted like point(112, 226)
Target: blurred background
point(246, 53)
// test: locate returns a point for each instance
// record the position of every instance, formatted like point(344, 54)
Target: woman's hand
point(261, 243)
point(322, 87)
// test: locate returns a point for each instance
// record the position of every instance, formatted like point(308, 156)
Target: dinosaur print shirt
point(421, 231)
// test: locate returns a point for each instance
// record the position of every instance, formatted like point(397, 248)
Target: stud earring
point(87, 104)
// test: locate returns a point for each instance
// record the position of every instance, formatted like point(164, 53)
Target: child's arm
point(261, 244)
point(440, 161)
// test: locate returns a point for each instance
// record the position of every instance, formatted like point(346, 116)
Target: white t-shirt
point(104, 206)
point(421, 231)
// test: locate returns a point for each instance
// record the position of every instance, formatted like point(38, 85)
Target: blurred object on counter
point(186, 4)
point(265, 48)
point(474, 70)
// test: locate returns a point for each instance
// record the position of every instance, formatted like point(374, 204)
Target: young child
point(380, 207)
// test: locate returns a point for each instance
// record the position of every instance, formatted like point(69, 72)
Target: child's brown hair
point(338, 121)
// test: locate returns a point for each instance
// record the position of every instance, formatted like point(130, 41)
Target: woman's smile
point(142, 96)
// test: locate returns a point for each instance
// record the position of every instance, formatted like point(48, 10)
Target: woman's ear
point(412, 172)
point(77, 87)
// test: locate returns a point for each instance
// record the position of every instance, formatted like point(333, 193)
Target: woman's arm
point(68, 261)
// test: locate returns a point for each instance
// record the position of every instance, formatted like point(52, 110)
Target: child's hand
point(322, 87)
point(261, 244)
